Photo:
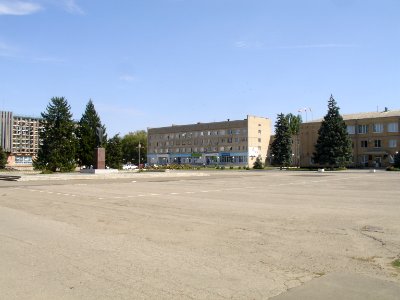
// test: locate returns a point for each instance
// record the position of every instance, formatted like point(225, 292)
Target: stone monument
point(99, 152)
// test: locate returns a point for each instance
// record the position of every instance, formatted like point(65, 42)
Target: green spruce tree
point(86, 135)
point(258, 163)
point(333, 147)
point(397, 160)
point(3, 158)
point(114, 152)
point(281, 148)
point(58, 142)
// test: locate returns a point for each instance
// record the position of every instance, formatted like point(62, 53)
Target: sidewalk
point(344, 287)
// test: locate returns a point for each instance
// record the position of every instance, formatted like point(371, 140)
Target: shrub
point(258, 164)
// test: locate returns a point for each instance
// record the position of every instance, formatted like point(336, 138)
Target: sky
point(153, 63)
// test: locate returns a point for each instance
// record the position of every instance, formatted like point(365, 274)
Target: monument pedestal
point(99, 158)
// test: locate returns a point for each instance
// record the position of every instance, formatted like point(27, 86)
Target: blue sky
point(152, 63)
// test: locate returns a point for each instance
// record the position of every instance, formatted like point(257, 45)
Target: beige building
point(19, 137)
point(237, 142)
point(375, 138)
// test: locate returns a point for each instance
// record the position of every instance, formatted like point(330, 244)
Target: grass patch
point(396, 263)
point(391, 168)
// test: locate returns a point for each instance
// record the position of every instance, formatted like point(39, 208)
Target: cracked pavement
point(221, 235)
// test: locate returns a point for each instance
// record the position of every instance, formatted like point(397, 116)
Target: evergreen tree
point(130, 144)
point(333, 146)
point(114, 152)
point(281, 148)
point(86, 135)
point(58, 142)
point(258, 163)
point(397, 160)
point(3, 158)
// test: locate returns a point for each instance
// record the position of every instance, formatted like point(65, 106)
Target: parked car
point(129, 167)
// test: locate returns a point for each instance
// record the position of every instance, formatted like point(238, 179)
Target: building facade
point(237, 142)
point(19, 137)
point(375, 138)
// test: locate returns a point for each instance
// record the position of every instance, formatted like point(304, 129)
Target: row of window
point(24, 160)
point(228, 140)
point(376, 128)
point(189, 135)
point(201, 149)
point(378, 144)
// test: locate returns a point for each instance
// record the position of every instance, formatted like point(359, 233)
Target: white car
point(129, 167)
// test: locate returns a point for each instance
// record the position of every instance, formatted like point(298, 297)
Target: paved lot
point(216, 235)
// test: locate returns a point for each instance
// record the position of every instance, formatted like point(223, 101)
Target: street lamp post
point(139, 154)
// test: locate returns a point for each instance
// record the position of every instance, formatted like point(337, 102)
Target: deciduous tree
point(114, 152)
point(130, 144)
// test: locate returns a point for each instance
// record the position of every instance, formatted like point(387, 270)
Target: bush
point(392, 168)
point(258, 164)
point(231, 167)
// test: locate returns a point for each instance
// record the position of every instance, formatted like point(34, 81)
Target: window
point(351, 129)
point(377, 143)
point(259, 140)
point(364, 159)
point(378, 128)
point(393, 127)
point(259, 131)
point(364, 144)
point(362, 128)
point(229, 140)
point(26, 160)
point(392, 143)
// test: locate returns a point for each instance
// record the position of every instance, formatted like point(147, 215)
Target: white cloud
point(247, 45)
point(18, 8)
point(258, 45)
point(127, 77)
point(7, 51)
point(72, 7)
point(317, 46)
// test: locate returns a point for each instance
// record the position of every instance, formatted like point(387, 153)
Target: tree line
point(333, 147)
point(66, 144)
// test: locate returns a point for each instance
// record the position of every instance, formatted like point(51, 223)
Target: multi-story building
point(375, 138)
point(237, 142)
point(19, 137)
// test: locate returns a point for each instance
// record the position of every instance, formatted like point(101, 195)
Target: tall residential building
point(237, 142)
point(375, 138)
point(19, 136)
point(6, 123)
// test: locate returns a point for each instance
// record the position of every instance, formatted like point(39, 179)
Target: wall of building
point(229, 142)
point(20, 137)
point(6, 123)
point(375, 138)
